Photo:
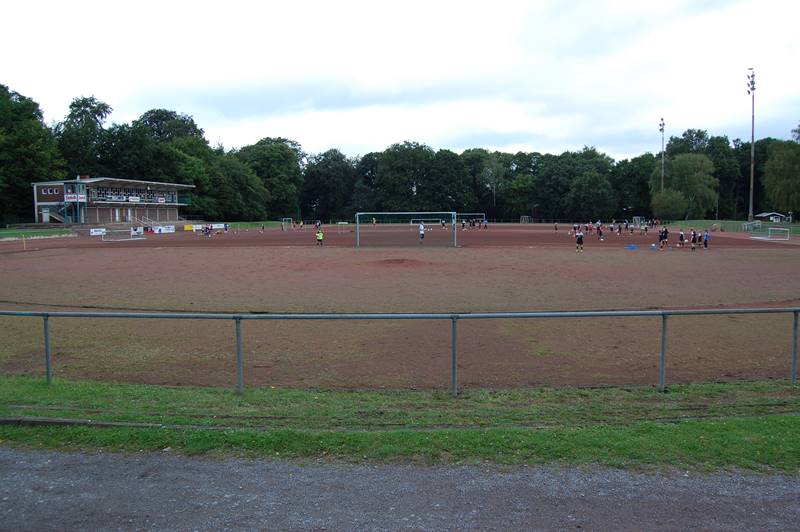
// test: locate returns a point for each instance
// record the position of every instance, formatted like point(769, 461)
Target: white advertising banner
point(159, 229)
point(134, 199)
point(99, 231)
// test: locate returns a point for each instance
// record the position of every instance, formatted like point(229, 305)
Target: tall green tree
point(364, 197)
point(796, 133)
point(691, 141)
point(630, 180)
point(474, 161)
point(328, 186)
point(524, 197)
point(669, 204)
point(80, 135)
point(446, 188)
point(742, 151)
point(403, 171)
point(165, 125)
point(782, 176)
point(726, 172)
point(278, 163)
point(238, 194)
point(28, 153)
point(591, 197)
point(691, 174)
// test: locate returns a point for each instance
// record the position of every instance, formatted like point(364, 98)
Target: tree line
point(703, 176)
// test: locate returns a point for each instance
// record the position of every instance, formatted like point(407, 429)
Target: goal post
point(778, 233)
point(774, 233)
point(480, 216)
point(121, 235)
point(286, 224)
point(392, 228)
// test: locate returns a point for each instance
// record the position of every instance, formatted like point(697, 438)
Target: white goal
point(122, 235)
point(401, 228)
point(525, 219)
point(775, 233)
point(286, 224)
point(480, 216)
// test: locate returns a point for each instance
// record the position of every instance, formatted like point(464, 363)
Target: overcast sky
point(544, 76)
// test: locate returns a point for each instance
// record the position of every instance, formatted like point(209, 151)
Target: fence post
point(794, 349)
point(48, 359)
point(662, 364)
point(454, 361)
point(239, 362)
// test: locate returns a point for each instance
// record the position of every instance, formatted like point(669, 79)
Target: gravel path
point(67, 491)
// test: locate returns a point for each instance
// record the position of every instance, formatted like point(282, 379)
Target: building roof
point(766, 214)
point(114, 180)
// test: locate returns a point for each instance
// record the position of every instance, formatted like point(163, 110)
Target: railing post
point(454, 360)
point(794, 349)
point(662, 364)
point(239, 361)
point(48, 358)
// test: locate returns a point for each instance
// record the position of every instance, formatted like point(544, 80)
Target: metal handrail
point(454, 317)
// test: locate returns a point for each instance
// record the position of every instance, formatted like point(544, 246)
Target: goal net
point(122, 235)
point(774, 233)
point(525, 219)
point(404, 228)
point(286, 224)
point(467, 216)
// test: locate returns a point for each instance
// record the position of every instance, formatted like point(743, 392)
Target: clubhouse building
point(106, 200)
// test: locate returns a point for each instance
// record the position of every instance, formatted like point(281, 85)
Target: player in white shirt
point(579, 241)
point(421, 232)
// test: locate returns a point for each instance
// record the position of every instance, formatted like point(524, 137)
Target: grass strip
point(751, 425)
point(276, 408)
point(29, 233)
point(760, 444)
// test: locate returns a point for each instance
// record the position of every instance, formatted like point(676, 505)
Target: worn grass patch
point(711, 426)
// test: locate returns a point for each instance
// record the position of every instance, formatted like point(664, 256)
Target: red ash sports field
point(502, 268)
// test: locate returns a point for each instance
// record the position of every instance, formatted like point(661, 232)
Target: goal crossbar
point(363, 219)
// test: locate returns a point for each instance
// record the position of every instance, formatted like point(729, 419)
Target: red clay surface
point(398, 236)
point(503, 268)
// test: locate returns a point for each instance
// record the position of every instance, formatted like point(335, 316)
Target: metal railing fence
point(453, 317)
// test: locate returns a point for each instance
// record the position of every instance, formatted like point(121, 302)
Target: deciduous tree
point(782, 176)
point(28, 153)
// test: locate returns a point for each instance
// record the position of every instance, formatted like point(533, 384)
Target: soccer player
point(694, 239)
point(320, 236)
point(579, 241)
point(706, 238)
point(421, 232)
point(681, 238)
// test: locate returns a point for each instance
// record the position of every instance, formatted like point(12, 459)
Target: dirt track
point(500, 269)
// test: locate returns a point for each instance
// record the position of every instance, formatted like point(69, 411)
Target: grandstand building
point(99, 200)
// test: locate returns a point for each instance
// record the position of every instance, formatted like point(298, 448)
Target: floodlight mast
point(661, 129)
point(751, 90)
